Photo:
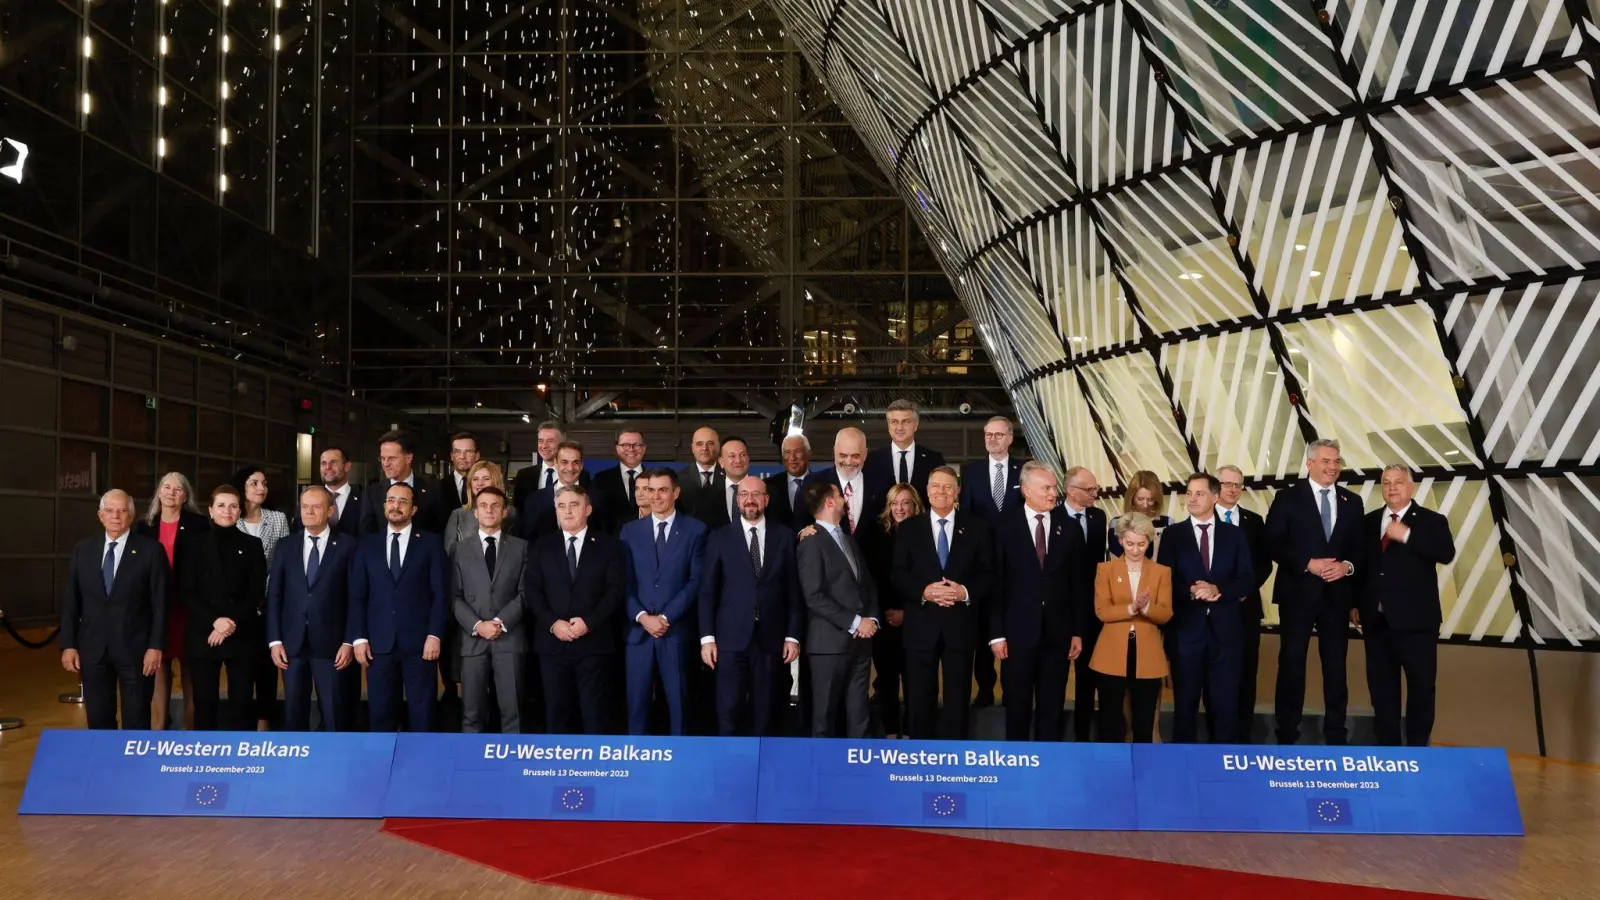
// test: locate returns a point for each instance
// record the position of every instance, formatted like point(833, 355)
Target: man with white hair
point(114, 617)
point(784, 488)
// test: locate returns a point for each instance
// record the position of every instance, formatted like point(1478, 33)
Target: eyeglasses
point(631, 446)
point(1086, 490)
point(1232, 484)
point(996, 434)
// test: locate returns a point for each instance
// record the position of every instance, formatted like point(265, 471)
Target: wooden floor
point(172, 859)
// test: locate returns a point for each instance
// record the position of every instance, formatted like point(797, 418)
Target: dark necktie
point(333, 517)
point(794, 494)
point(1038, 537)
point(549, 477)
point(997, 486)
point(572, 557)
point(849, 556)
point(1083, 526)
point(1393, 517)
point(631, 495)
point(108, 568)
point(705, 479)
point(849, 517)
point(733, 502)
point(1205, 549)
point(755, 551)
point(1327, 516)
point(488, 556)
point(905, 471)
point(394, 554)
point(312, 562)
point(944, 545)
point(661, 541)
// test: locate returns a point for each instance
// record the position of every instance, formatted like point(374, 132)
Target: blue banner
point(1348, 790)
point(953, 784)
point(635, 779)
point(248, 773)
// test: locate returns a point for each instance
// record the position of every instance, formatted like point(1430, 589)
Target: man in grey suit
point(487, 601)
point(842, 602)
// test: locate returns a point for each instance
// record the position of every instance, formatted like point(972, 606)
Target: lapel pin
point(134, 552)
point(1119, 579)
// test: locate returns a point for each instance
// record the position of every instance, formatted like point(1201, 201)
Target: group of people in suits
point(650, 597)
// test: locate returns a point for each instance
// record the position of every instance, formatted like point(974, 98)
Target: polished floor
point(248, 858)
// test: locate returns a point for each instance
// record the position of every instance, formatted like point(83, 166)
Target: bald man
point(861, 494)
point(699, 475)
point(114, 617)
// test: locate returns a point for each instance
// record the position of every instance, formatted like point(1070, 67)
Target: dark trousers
point(984, 670)
point(889, 661)
point(925, 718)
point(1297, 619)
point(1249, 667)
point(1084, 687)
point(1143, 695)
point(1205, 662)
point(450, 708)
point(395, 680)
point(665, 656)
point(747, 690)
point(578, 693)
point(1390, 654)
point(104, 681)
point(839, 682)
point(333, 687)
point(239, 712)
point(1034, 679)
point(264, 684)
point(498, 669)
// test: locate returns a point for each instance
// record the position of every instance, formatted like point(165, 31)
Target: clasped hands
point(221, 630)
point(1204, 591)
point(1328, 569)
point(944, 592)
point(655, 626)
point(569, 629)
point(489, 630)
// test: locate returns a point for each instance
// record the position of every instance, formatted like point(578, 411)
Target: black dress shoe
point(985, 700)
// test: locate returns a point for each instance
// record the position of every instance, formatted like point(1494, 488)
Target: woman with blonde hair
point(463, 522)
point(1146, 497)
point(888, 649)
point(1132, 597)
point(174, 519)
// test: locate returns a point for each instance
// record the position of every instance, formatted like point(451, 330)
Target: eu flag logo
point(1327, 812)
point(207, 796)
point(573, 798)
point(947, 806)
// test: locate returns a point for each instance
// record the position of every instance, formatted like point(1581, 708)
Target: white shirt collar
point(1002, 461)
point(411, 479)
point(405, 533)
point(1387, 512)
point(1199, 522)
point(484, 535)
point(580, 535)
point(949, 517)
point(1072, 510)
point(703, 470)
point(326, 530)
point(910, 448)
point(341, 490)
point(656, 521)
point(760, 525)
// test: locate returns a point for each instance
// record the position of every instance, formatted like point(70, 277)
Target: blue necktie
point(394, 555)
point(944, 545)
point(661, 541)
point(1227, 517)
point(313, 562)
point(572, 557)
point(108, 568)
point(1327, 516)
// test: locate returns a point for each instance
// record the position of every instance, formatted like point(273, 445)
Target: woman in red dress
point(175, 521)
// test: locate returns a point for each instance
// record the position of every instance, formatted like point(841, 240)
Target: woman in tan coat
point(1132, 596)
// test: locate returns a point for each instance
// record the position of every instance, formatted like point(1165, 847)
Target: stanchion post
point(9, 723)
point(74, 697)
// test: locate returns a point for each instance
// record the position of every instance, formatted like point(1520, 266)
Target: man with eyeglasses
point(1314, 533)
point(1082, 491)
point(618, 486)
point(1229, 512)
point(989, 487)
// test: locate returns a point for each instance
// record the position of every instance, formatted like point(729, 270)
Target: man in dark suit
point(617, 485)
point(537, 511)
point(664, 554)
point(1231, 513)
point(1399, 608)
point(1212, 576)
point(398, 603)
point(698, 475)
point(1035, 606)
point(1314, 534)
point(943, 566)
point(334, 466)
point(842, 601)
point(1082, 491)
point(990, 486)
point(487, 599)
point(718, 503)
point(463, 456)
point(575, 585)
point(430, 512)
point(861, 494)
point(114, 617)
point(784, 489)
point(904, 461)
point(542, 473)
point(308, 615)
point(750, 612)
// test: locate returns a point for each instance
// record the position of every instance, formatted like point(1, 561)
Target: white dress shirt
point(341, 495)
point(578, 551)
point(857, 495)
point(655, 528)
point(305, 556)
point(1211, 540)
point(1133, 591)
point(1383, 524)
point(839, 537)
point(122, 545)
point(910, 451)
point(1073, 513)
point(1333, 502)
point(388, 541)
point(500, 544)
point(760, 526)
point(1229, 512)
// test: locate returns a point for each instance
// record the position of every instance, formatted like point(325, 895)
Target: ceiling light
point(1301, 247)
point(1189, 276)
point(1315, 273)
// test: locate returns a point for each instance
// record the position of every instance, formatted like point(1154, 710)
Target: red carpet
point(713, 862)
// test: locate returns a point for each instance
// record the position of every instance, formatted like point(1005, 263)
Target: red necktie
point(1038, 537)
point(849, 520)
point(1384, 545)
